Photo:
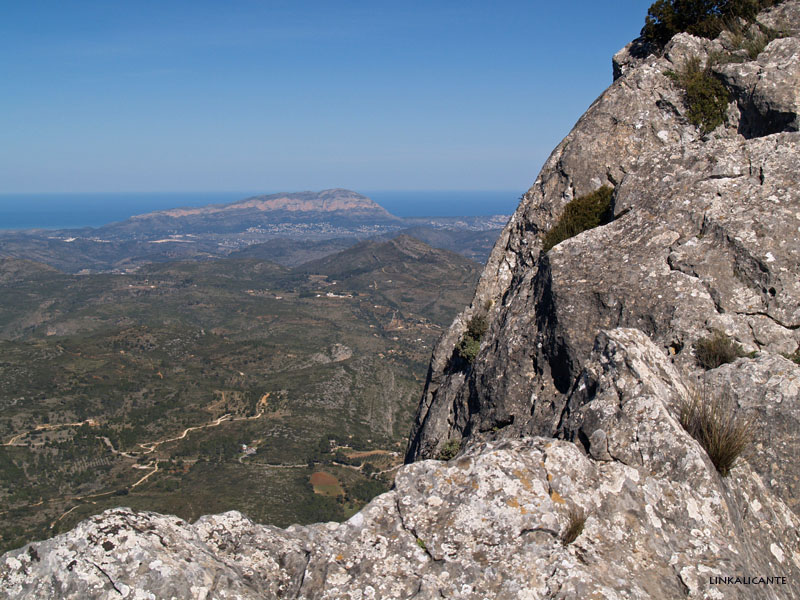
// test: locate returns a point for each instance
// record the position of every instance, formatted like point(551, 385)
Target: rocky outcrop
point(574, 476)
point(705, 237)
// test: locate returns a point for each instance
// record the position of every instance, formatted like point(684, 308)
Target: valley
point(194, 387)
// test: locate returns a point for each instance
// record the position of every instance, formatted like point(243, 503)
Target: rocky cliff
point(573, 477)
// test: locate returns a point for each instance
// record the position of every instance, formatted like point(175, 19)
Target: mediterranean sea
point(65, 211)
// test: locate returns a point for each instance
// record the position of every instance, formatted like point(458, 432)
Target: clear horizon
point(131, 98)
point(77, 210)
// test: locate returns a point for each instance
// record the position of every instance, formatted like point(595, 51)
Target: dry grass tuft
point(716, 422)
point(717, 350)
point(576, 521)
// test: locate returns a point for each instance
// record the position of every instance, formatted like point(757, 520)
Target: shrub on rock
point(470, 342)
point(581, 214)
point(717, 350)
point(704, 18)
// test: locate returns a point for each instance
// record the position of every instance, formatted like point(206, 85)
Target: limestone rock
point(768, 389)
point(706, 236)
point(768, 89)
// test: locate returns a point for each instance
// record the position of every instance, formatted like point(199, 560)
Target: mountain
point(563, 444)
point(473, 244)
point(292, 252)
point(337, 207)
point(294, 228)
point(404, 272)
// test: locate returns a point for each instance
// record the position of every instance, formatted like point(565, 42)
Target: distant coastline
point(65, 211)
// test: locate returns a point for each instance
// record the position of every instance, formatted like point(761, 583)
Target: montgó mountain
point(615, 415)
point(337, 206)
point(288, 228)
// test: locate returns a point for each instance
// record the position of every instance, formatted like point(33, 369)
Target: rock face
point(706, 237)
point(574, 477)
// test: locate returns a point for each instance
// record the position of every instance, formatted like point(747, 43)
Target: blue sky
point(277, 96)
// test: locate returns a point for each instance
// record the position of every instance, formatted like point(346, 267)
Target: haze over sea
point(64, 211)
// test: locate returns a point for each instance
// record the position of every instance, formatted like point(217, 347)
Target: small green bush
point(581, 214)
point(470, 342)
point(795, 358)
point(704, 18)
point(716, 423)
point(705, 97)
point(755, 42)
point(576, 520)
point(449, 450)
point(468, 348)
point(717, 350)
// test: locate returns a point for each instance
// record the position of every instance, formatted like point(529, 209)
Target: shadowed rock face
point(570, 408)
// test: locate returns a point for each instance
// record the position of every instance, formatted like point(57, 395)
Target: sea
point(65, 211)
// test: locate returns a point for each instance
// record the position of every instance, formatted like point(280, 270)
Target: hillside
point(578, 436)
point(286, 359)
point(475, 245)
point(403, 271)
point(292, 252)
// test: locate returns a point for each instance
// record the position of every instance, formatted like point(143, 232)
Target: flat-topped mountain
point(351, 204)
point(336, 207)
point(289, 228)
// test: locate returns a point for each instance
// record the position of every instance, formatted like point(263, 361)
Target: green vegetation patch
point(450, 449)
point(705, 97)
point(751, 39)
point(704, 18)
point(581, 214)
point(795, 358)
point(470, 342)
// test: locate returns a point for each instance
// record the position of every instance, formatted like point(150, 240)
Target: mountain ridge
point(326, 201)
point(321, 220)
